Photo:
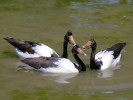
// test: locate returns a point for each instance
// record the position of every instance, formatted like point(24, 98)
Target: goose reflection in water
point(61, 78)
point(108, 72)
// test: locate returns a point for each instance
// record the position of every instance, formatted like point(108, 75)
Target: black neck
point(81, 66)
point(65, 54)
point(93, 64)
point(92, 58)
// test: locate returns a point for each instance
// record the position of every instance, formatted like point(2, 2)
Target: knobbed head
point(69, 38)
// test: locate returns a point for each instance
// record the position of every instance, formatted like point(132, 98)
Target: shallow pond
point(107, 21)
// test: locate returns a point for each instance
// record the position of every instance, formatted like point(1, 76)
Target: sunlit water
point(107, 21)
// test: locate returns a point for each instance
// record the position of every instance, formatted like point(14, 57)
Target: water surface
point(107, 21)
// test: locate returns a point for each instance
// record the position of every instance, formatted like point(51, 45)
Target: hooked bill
point(87, 45)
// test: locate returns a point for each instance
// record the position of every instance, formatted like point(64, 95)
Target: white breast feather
point(64, 66)
point(106, 57)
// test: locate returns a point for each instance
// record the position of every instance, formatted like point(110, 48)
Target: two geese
point(44, 58)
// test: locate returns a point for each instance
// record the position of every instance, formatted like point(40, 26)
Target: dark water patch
point(100, 2)
point(120, 86)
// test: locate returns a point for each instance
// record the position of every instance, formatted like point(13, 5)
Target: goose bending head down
point(26, 49)
point(58, 65)
point(105, 58)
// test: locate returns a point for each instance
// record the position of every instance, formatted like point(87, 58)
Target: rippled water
point(107, 21)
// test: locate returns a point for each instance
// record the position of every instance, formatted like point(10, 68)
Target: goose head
point(69, 38)
point(77, 50)
point(90, 44)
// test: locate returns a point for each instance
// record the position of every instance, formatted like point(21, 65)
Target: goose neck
point(81, 66)
point(65, 54)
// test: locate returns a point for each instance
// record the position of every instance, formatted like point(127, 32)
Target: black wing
point(24, 46)
point(117, 48)
point(40, 62)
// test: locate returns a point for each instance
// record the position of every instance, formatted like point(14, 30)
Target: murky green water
point(107, 21)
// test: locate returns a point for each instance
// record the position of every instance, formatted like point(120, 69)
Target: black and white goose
point(104, 59)
point(27, 49)
point(58, 65)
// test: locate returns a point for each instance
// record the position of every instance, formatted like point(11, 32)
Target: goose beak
point(80, 51)
point(72, 40)
point(87, 45)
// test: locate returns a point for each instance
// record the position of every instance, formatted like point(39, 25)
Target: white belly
point(64, 66)
point(40, 50)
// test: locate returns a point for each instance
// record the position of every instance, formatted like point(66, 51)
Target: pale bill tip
point(85, 54)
